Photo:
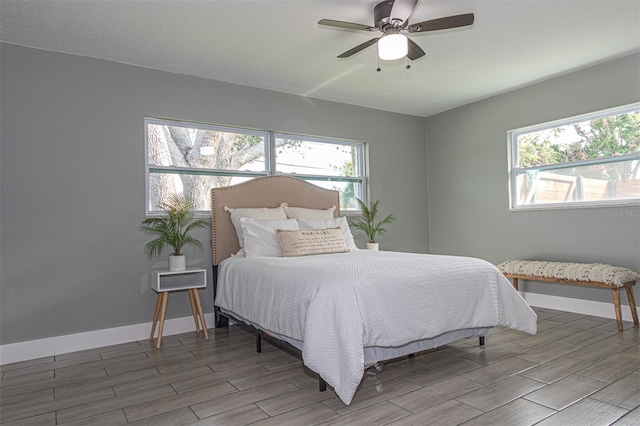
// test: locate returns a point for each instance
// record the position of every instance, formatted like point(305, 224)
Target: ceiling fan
point(391, 18)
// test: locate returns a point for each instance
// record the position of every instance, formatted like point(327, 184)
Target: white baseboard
point(579, 306)
point(22, 351)
point(32, 349)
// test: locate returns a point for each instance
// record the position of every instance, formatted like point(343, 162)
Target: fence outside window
point(581, 161)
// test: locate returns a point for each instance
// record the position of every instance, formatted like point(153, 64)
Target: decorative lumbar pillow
point(311, 241)
point(253, 213)
point(331, 223)
point(309, 214)
point(260, 236)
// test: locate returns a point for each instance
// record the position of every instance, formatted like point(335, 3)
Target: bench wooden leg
point(632, 304)
point(616, 305)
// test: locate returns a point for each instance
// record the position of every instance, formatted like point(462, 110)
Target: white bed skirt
point(375, 354)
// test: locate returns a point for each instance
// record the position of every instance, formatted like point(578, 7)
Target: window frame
point(270, 159)
point(514, 169)
point(361, 163)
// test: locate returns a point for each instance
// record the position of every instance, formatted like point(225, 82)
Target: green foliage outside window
point(601, 137)
point(611, 136)
point(593, 159)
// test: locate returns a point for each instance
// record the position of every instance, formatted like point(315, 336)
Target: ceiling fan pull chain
point(408, 64)
point(378, 69)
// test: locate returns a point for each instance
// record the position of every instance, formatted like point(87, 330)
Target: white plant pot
point(177, 263)
point(373, 246)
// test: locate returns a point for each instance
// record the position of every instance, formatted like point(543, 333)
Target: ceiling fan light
point(393, 46)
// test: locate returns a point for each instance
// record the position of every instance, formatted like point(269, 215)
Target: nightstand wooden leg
point(193, 309)
point(155, 316)
point(163, 312)
point(196, 296)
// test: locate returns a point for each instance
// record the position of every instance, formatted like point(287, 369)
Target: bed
point(345, 311)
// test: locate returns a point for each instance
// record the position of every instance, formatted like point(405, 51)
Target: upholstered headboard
point(267, 191)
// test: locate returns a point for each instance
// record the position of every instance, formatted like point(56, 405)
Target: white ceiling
point(278, 45)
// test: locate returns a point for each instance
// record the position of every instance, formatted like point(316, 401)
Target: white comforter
point(339, 303)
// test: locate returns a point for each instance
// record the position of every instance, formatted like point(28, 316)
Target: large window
point(581, 161)
point(192, 158)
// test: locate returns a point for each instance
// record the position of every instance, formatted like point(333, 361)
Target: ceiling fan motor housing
point(390, 28)
point(381, 13)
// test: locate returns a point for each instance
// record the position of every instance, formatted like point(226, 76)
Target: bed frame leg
point(220, 320)
point(322, 385)
point(481, 340)
point(259, 341)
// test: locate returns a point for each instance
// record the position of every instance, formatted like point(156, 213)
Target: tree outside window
point(191, 158)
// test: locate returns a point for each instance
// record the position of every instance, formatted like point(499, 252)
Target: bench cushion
point(596, 272)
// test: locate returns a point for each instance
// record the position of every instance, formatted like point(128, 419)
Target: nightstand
point(167, 281)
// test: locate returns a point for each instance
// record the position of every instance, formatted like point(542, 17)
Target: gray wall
point(468, 188)
point(72, 181)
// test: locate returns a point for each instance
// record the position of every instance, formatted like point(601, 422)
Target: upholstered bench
point(588, 274)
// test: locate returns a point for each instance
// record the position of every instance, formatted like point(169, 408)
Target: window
point(327, 163)
point(192, 158)
point(581, 161)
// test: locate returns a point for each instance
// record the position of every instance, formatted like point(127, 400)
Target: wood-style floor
point(577, 370)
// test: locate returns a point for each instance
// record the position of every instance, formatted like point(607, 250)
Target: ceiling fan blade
point(346, 25)
point(415, 51)
point(442, 23)
point(359, 47)
point(401, 10)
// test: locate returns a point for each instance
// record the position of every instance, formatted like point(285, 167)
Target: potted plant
point(369, 225)
point(172, 229)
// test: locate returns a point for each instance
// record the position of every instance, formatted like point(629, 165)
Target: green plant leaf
point(173, 228)
point(368, 224)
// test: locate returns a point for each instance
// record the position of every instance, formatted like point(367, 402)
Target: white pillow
point(260, 237)
point(309, 214)
point(254, 213)
point(331, 223)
